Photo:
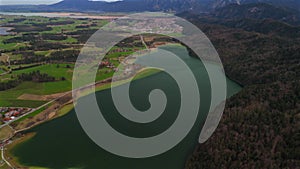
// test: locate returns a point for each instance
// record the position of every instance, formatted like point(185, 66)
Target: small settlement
point(10, 113)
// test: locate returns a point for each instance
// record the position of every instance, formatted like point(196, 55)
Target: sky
point(32, 2)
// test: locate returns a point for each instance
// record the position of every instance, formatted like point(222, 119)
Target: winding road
point(3, 158)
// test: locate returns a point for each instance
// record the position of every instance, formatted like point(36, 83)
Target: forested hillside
point(260, 126)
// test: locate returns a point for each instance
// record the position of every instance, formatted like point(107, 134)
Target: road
point(144, 43)
point(33, 110)
point(3, 158)
point(66, 93)
point(7, 123)
point(87, 86)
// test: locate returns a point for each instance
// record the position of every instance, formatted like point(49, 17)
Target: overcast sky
point(34, 2)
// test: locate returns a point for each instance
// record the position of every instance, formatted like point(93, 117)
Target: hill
point(295, 4)
point(261, 18)
point(258, 11)
point(260, 125)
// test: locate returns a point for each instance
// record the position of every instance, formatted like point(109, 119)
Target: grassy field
point(9, 46)
point(4, 165)
point(68, 107)
point(15, 52)
point(42, 53)
point(10, 97)
point(65, 109)
point(56, 70)
point(68, 40)
point(58, 26)
point(5, 133)
point(11, 51)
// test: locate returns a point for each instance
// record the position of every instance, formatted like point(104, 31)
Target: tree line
point(35, 76)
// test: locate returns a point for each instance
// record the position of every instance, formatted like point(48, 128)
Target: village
point(8, 114)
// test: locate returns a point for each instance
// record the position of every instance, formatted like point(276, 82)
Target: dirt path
point(3, 158)
point(40, 97)
point(144, 43)
point(8, 61)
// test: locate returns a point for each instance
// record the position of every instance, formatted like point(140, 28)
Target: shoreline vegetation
point(62, 106)
point(260, 50)
point(62, 103)
point(53, 32)
point(65, 109)
point(56, 111)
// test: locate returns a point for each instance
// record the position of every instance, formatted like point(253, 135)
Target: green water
point(62, 143)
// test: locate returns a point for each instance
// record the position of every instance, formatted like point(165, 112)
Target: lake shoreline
point(103, 86)
point(99, 86)
point(5, 30)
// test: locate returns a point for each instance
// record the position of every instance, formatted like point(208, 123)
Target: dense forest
point(260, 125)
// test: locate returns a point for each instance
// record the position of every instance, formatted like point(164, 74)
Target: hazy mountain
point(132, 5)
point(197, 6)
point(164, 5)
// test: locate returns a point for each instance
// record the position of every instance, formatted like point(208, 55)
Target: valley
point(258, 43)
point(41, 80)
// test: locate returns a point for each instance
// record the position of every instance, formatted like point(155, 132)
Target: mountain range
point(198, 6)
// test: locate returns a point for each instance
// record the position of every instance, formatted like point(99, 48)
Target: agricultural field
point(38, 56)
point(11, 96)
point(59, 41)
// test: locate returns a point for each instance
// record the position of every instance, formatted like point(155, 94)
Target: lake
point(4, 31)
point(62, 143)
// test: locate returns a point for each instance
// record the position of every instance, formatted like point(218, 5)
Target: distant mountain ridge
point(131, 5)
point(198, 6)
point(165, 5)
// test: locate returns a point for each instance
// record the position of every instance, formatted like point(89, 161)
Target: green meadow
point(10, 97)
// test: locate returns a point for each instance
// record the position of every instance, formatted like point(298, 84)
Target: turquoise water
point(62, 143)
